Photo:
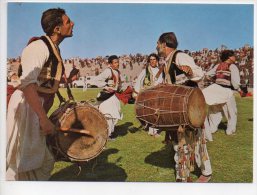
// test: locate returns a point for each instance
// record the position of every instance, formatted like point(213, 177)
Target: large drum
point(81, 132)
point(169, 106)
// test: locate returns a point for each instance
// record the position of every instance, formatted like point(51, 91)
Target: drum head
point(196, 108)
point(78, 146)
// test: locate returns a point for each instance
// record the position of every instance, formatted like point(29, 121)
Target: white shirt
point(25, 140)
point(33, 58)
point(106, 74)
point(235, 75)
point(140, 80)
point(184, 59)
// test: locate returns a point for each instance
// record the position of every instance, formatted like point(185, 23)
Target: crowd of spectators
point(207, 59)
point(131, 65)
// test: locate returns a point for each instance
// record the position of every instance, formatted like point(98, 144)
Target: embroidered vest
point(52, 70)
point(114, 81)
point(223, 75)
point(148, 80)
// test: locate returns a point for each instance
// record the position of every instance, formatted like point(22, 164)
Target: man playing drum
point(181, 69)
point(28, 157)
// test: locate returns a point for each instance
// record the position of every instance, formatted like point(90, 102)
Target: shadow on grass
point(164, 158)
point(123, 129)
point(97, 169)
point(223, 126)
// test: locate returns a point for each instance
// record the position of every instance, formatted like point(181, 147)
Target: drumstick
point(83, 131)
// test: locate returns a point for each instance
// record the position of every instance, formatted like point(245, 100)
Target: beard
point(161, 52)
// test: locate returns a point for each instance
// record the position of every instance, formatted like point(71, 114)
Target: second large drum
point(169, 106)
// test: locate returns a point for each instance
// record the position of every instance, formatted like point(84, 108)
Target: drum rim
point(79, 105)
point(187, 122)
point(199, 91)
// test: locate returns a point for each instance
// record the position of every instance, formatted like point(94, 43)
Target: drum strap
point(70, 96)
point(61, 99)
point(54, 51)
point(148, 80)
point(161, 69)
point(57, 70)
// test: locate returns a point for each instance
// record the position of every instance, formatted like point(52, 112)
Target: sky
point(117, 28)
point(105, 29)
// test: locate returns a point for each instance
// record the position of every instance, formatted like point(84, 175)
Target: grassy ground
point(136, 157)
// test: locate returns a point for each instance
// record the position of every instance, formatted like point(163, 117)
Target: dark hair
point(170, 39)
point(111, 58)
point(20, 71)
point(51, 18)
point(153, 55)
point(226, 54)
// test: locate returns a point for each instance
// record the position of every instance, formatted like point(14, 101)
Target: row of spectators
point(101, 62)
point(131, 65)
point(208, 58)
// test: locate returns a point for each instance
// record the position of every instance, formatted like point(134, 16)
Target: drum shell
point(72, 146)
point(169, 106)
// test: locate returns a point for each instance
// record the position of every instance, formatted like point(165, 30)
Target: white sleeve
point(33, 58)
point(212, 72)
point(185, 59)
point(103, 76)
point(139, 81)
point(235, 76)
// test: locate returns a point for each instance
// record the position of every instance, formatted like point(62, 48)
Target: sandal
point(203, 179)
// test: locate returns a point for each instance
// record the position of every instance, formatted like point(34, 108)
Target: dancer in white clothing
point(109, 104)
point(220, 95)
point(149, 77)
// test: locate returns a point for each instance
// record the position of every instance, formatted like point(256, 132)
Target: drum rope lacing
point(158, 111)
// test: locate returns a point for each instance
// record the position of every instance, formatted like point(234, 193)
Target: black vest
point(175, 71)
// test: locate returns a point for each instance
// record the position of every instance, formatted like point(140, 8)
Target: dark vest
point(116, 81)
point(147, 80)
point(175, 71)
point(49, 69)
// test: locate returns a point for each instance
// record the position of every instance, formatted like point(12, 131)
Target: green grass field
point(134, 156)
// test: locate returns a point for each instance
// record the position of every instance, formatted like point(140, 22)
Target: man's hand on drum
point(47, 127)
point(186, 69)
